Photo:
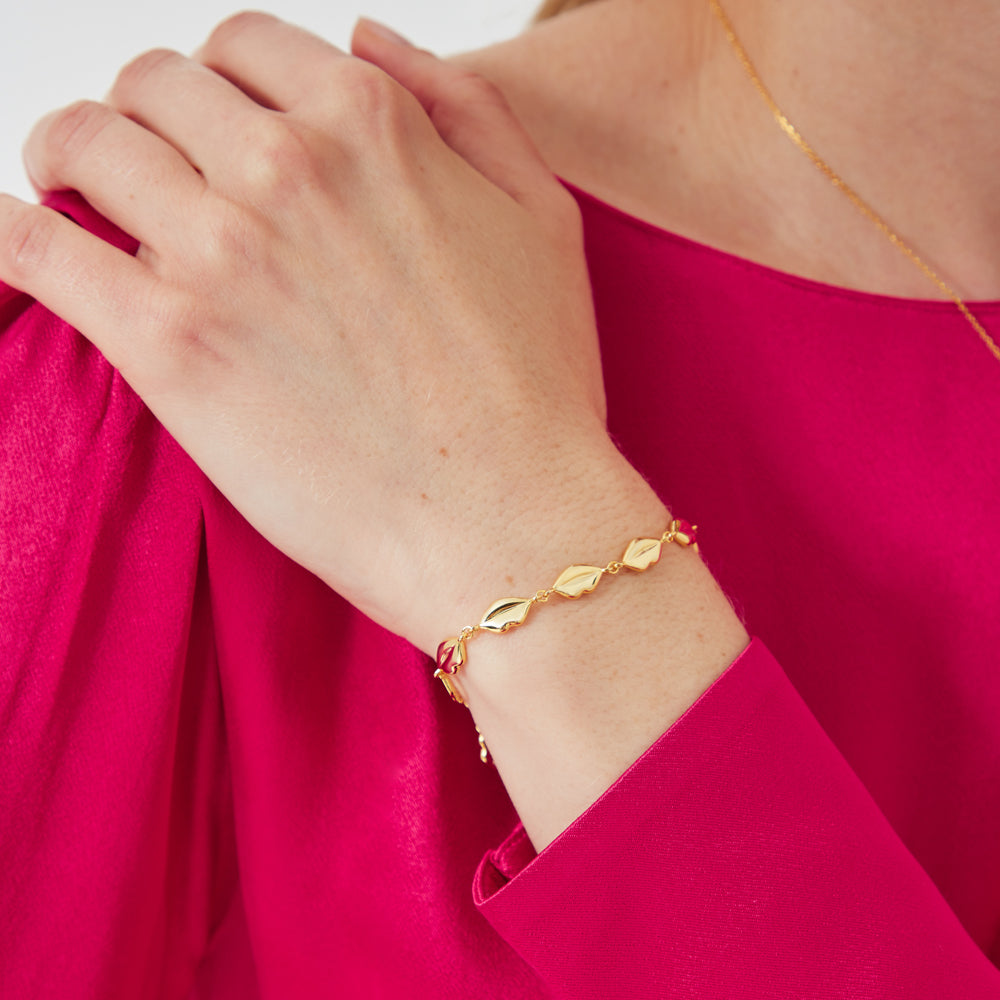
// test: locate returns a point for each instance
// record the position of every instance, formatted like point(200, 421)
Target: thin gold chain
point(859, 203)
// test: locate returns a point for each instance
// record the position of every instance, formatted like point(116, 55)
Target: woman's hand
point(360, 303)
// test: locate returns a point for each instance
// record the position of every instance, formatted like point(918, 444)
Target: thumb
point(470, 114)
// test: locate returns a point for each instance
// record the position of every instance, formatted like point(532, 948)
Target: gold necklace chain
point(859, 203)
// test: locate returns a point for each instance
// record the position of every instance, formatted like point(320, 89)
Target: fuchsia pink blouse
point(218, 780)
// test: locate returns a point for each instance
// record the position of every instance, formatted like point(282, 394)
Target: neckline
point(772, 273)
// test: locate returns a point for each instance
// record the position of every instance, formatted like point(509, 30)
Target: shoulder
point(85, 468)
point(605, 93)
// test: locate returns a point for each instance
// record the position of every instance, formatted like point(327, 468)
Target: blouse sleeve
point(740, 857)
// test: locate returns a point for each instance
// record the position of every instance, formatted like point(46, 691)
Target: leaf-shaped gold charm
point(451, 655)
point(642, 553)
point(505, 614)
point(577, 580)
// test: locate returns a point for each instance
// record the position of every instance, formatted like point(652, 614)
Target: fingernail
point(383, 32)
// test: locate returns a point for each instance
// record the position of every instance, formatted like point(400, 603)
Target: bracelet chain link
point(572, 583)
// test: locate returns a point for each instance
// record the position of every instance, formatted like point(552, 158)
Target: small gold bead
point(484, 750)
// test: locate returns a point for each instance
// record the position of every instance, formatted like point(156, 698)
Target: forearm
point(570, 699)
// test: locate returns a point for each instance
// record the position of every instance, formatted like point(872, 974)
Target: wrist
point(584, 686)
point(569, 700)
point(531, 525)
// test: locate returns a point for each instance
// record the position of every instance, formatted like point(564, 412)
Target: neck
point(902, 98)
point(914, 67)
point(643, 103)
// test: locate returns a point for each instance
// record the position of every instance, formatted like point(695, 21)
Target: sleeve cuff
point(740, 856)
point(516, 853)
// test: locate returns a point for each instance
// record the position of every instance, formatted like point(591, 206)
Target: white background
point(55, 51)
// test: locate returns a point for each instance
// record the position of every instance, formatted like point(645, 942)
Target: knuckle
point(450, 105)
point(73, 129)
point(227, 31)
point(468, 86)
point(134, 74)
point(280, 159)
point(183, 342)
point(370, 99)
point(29, 234)
point(228, 238)
point(182, 328)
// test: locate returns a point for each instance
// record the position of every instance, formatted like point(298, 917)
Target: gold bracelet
point(573, 582)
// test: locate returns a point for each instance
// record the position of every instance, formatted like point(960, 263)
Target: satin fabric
point(218, 780)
